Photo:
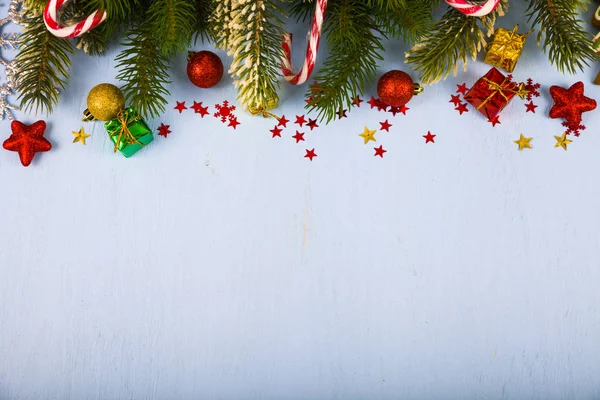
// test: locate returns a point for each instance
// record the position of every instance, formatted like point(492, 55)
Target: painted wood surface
point(221, 264)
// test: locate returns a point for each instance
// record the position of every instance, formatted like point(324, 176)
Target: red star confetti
point(224, 111)
point(310, 154)
point(312, 123)
point(341, 114)
point(356, 101)
point(200, 109)
point(309, 100)
point(404, 109)
point(385, 126)
point(299, 136)
point(233, 122)
point(394, 110)
point(163, 130)
point(372, 102)
point(300, 120)
point(530, 107)
point(276, 131)
point(455, 99)
point(379, 151)
point(495, 120)
point(381, 106)
point(180, 106)
point(283, 121)
point(462, 89)
point(429, 138)
point(461, 108)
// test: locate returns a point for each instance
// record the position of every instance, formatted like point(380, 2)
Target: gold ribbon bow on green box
point(505, 48)
point(128, 132)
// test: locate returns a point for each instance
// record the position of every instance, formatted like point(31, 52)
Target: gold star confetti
point(368, 135)
point(562, 141)
point(80, 136)
point(523, 142)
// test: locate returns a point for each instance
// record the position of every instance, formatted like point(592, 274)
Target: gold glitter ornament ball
point(105, 101)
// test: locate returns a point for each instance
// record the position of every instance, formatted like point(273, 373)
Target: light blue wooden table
point(222, 264)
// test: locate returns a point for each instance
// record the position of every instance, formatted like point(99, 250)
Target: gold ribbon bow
point(124, 133)
point(503, 87)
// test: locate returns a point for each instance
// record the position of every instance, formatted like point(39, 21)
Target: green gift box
point(129, 132)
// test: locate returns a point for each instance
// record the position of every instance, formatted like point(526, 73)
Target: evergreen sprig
point(45, 62)
point(355, 48)
point(144, 69)
point(561, 34)
point(172, 22)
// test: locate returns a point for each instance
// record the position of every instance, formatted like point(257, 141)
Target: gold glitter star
point(562, 141)
point(523, 142)
point(80, 136)
point(368, 135)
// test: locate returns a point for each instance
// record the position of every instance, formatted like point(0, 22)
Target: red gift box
point(493, 92)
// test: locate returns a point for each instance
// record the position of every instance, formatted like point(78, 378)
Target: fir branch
point(255, 30)
point(408, 22)
point(171, 20)
point(144, 68)
point(561, 34)
point(455, 38)
point(115, 9)
point(45, 63)
point(355, 50)
point(204, 9)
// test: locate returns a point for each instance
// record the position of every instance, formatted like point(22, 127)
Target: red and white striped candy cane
point(474, 10)
point(71, 31)
point(311, 49)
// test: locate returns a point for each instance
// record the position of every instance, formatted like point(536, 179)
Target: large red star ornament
point(570, 104)
point(27, 140)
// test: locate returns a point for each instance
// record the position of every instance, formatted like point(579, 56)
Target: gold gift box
point(505, 48)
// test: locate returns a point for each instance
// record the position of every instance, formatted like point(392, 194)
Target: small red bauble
point(204, 69)
point(396, 88)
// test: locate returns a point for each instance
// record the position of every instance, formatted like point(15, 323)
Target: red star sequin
point(385, 125)
point(180, 106)
point(27, 140)
point(570, 104)
point(309, 100)
point(379, 151)
point(233, 122)
point(276, 131)
point(462, 89)
point(372, 102)
point(404, 109)
point(495, 120)
point(394, 110)
point(381, 106)
point(200, 109)
point(341, 114)
point(530, 107)
point(429, 138)
point(455, 99)
point(283, 121)
point(163, 130)
point(310, 154)
point(356, 101)
point(300, 120)
point(461, 108)
point(312, 123)
point(299, 136)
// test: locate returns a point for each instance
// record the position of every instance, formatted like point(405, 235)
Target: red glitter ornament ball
point(395, 88)
point(204, 69)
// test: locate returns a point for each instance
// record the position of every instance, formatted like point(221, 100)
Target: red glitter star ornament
point(310, 154)
point(570, 104)
point(283, 121)
point(429, 138)
point(200, 109)
point(530, 107)
point(379, 151)
point(299, 136)
point(385, 126)
point(300, 120)
point(27, 140)
point(163, 130)
point(180, 106)
point(312, 123)
point(276, 131)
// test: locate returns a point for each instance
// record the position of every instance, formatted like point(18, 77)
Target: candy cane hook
point(71, 31)
point(474, 10)
point(311, 49)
